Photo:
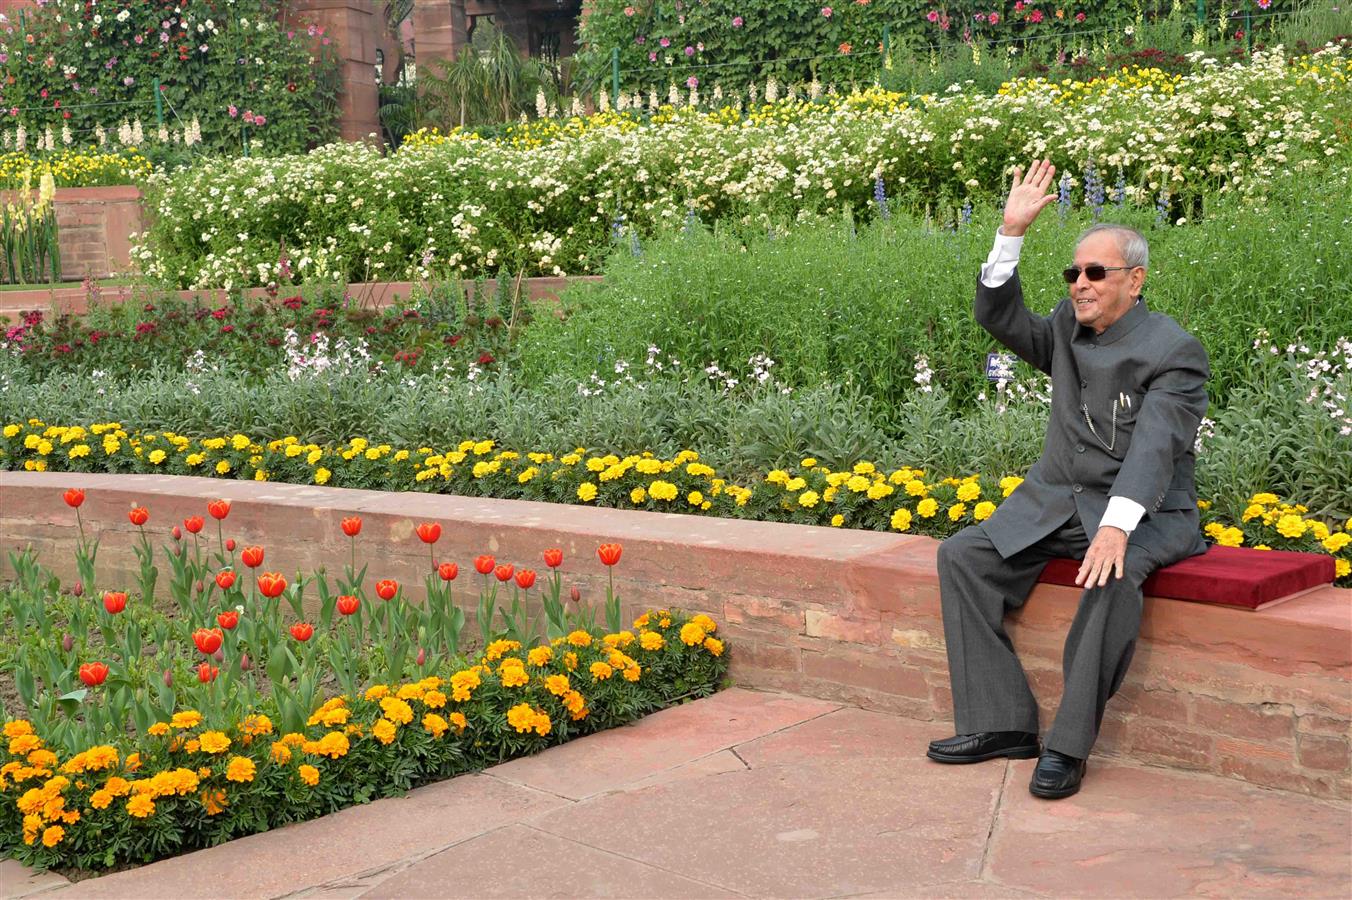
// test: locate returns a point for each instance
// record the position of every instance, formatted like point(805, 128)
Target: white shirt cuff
point(1123, 513)
point(1004, 258)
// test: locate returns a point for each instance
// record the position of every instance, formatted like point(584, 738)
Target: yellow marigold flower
point(513, 676)
point(100, 799)
point(837, 520)
point(23, 744)
point(809, 499)
point(558, 685)
point(570, 661)
point(691, 634)
point(53, 835)
point(901, 519)
point(159, 729)
point(714, 646)
point(601, 671)
point(637, 496)
point(694, 498)
point(1008, 484)
point(281, 753)
point(579, 638)
point(241, 769)
point(383, 731)
point(322, 475)
point(1230, 537)
point(1264, 499)
point(777, 476)
point(18, 727)
point(651, 640)
point(434, 725)
point(969, 490)
point(1319, 530)
point(540, 656)
point(1341, 568)
point(704, 622)
point(857, 483)
point(1291, 526)
point(434, 699)
point(983, 511)
point(376, 691)
point(864, 468)
point(214, 801)
point(541, 723)
point(458, 720)
point(521, 717)
point(396, 710)
point(957, 511)
point(916, 488)
point(662, 490)
point(1335, 542)
point(1204, 504)
point(586, 492)
point(214, 742)
point(308, 774)
point(255, 725)
point(1252, 511)
point(117, 786)
point(141, 806)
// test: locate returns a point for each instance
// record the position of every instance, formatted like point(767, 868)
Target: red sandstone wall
point(94, 227)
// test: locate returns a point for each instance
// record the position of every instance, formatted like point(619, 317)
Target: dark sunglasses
point(1093, 273)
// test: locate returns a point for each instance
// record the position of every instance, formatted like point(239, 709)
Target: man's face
point(1099, 304)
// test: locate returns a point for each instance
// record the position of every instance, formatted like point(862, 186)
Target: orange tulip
point(219, 509)
point(554, 557)
point(448, 571)
point(347, 604)
point(352, 526)
point(387, 588)
point(74, 497)
point(484, 564)
point(139, 515)
point(609, 553)
point(94, 674)
point(271, 584)
point(207, 673)
point(251, 557)
point(525, 579)
point(429, 532)
point(302, 631)
point(503, 572)
point(225, 579)
point(208, 640)
point(193, 524)
point(228, 619)
point(114, 601)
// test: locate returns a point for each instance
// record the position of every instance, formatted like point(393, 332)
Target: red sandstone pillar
point(357, 27)
point(441, 30)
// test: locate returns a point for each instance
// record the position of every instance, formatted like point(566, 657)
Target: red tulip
point(74, 497)
point(208, 640)
point(193, 524)
point(199, 586)
point(448, 571)
point(219, 656)
point(525, 579)
point(576, 594)
point(168, 677)
point(347, 604)
point(554, 557)
point(352, 526)
point(175, 533)
point(138, 515)
point(77, 589)
point(225, 579)
point(387, 588)
point(503, 572)
point(206, 673)
point(422, 656)
point(302, 631)
point(228, 619)
point(484, 564)
point(251, 557)
point(244, 664)
point(429, 532)
point(219, 509)
point(95, 673)
point(67, 641)
point(230, 545)
point(114, 601)
point(609, 553)
point(271, 584)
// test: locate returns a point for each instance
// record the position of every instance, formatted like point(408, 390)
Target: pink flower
point(665, 42)
point(826, 11)
point(640, 40)
point(248, 117)
point(980, 17)
point(260, 120)
point(692, 82)
point(1079, 17)
point(737, 21)
point(994, 18)
point(1018, 7)
point(233, 110)
point(933, 16)
point(629, 10)
point(652, 56)
point(325, 41)
point(139, 39)
point(14, 110)
point(689, 51)
point(1264, 4)
point(1035, 16)
point(310, 31)
point(164, 37)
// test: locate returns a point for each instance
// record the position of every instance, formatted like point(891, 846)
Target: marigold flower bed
point(157, 727)
point(866, 495)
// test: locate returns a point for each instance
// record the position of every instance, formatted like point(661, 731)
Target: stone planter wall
point(852, 616)
point(94, 228)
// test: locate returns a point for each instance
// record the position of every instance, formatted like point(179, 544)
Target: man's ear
point(1137, 281)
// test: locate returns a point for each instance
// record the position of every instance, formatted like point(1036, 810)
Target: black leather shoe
point(1056, 775)
point(972, 748)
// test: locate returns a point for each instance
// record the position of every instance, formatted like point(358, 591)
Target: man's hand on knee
point(1106, 554)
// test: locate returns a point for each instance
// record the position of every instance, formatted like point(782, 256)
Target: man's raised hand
point(1027, 196)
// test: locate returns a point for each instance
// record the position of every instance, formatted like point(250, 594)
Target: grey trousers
point(990, 690)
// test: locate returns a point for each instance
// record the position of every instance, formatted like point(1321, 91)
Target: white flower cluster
point(345, 359)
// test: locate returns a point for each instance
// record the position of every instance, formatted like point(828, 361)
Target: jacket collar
point(1138, 313)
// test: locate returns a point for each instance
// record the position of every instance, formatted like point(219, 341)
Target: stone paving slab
point(609, 760)
point(17, 880)
point(520, 861)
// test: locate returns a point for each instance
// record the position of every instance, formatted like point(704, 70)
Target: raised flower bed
point(153, 717)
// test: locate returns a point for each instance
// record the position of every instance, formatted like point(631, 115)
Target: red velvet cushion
point(1231, 576)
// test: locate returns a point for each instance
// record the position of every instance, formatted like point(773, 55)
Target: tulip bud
point(168, 678)
point(199, 586)
point(177, 533)
point(78, 589)
point(576, 594)
point(244, 662)
point(67, 642)
point(422, 656)
point(230, 545)
point(219, 656)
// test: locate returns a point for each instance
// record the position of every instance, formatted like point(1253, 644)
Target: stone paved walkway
point(749, 794)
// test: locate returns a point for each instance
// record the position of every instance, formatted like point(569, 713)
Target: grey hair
point(1130, 242)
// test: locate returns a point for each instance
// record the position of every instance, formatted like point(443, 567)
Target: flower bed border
point(845, 615)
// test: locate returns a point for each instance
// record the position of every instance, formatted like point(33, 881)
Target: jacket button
point(1079, 448)
point(1084, 384)
point(1077, 488)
